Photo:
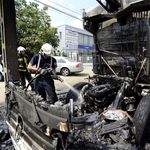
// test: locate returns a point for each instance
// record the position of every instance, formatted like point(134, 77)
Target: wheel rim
point(65, 72)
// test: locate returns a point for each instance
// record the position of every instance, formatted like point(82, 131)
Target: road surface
point(71, 80)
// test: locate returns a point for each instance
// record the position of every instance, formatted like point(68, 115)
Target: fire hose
point(54, 76)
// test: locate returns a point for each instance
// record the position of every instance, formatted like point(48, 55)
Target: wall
point(76, 43)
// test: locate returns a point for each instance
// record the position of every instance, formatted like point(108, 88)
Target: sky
point(72, 7)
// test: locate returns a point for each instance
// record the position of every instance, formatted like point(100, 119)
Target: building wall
point(61, 34)
point(75, 43)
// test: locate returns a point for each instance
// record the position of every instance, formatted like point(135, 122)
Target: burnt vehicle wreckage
point(112, 109)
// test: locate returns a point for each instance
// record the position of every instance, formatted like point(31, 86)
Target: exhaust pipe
point(96, 60)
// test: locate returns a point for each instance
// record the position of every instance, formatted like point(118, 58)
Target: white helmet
point(20, 49)
point(47, 49)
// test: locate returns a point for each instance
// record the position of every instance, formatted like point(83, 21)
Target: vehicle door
point(60, 64)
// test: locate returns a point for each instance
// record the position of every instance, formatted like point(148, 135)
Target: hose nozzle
point(56, 77)
point(60, 79)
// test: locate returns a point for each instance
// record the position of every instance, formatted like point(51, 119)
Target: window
point(60, 35)
point(60, 60)
point(69, 59)
point(80, 40)
point(86, 41)
point(63, 61)
point(91, 41)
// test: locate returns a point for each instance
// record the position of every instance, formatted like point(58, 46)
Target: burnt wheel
point(142, 120)
point(65, 71)
point(78, 87)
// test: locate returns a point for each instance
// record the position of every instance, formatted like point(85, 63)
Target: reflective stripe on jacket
point(23, 61)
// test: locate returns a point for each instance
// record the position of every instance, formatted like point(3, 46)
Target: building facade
point(75, 43)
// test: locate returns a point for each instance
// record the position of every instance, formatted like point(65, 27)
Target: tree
point(33, 27)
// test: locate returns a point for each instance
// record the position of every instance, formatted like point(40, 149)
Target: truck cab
point(112, 109)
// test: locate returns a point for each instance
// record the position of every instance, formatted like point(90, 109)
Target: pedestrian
point(44, 84)
point(1, 60)
point(24, 72)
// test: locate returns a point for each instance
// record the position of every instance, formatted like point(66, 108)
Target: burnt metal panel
point(100, 15)
point(111, 5)
point(9, 40)
point(148, 51)
point(31, 134)
point(52, 120)
point(132, 6)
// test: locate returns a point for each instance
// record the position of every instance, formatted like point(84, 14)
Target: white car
point(66, 66)
point(1, 71)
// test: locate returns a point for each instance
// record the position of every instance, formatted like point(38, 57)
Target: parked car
point(1, 70)
point(66, 66)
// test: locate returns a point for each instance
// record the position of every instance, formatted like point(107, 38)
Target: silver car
point(66, 66)
point(1, 70)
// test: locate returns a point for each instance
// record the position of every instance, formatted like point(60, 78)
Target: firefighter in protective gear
point(44, 84)
point(24, 73)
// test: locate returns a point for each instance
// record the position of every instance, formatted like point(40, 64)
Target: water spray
point(70, 87)
point(54, 76)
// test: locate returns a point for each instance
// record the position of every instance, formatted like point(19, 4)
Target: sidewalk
point(88, 65)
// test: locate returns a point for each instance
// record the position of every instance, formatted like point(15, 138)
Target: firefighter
point(44, 84)
point(24, 73)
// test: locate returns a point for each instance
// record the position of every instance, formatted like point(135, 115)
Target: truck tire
point(71, 94)
point(141, 120)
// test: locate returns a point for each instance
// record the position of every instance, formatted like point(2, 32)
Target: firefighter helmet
point(20, 49)
point(47, 49)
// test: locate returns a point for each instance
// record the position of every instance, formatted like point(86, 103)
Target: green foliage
point(33, 27)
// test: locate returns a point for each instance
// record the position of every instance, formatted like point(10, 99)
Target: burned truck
point(111, 111)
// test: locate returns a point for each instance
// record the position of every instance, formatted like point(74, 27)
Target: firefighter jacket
point(23, 61)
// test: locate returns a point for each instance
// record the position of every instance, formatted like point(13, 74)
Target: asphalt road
point(71, 80)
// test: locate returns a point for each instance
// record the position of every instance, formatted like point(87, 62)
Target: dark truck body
point(112, 110)
point(121, 34)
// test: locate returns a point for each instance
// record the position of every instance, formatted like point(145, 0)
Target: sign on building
point(71, 39)
point(73, 33)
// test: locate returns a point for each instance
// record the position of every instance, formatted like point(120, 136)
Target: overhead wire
point(64, 14)
point(65, 7)
point(68, 17)
point(58, 10)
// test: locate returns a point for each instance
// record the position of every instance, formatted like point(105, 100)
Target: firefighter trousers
point(45, 87)
point(23, 77)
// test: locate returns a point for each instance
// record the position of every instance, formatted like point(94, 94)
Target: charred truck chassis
point(121, 31)
point(112, 110)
